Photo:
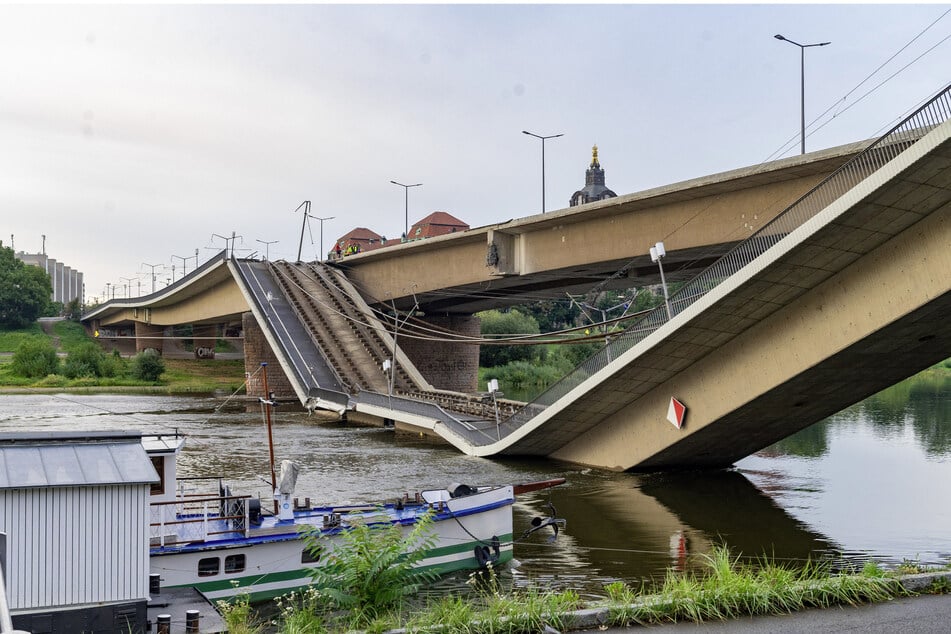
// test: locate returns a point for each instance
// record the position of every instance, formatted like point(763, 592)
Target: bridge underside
point(859, 304)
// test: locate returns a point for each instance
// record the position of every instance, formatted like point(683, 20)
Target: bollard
point(191, 621)
point(155, 584)
point(163, 624)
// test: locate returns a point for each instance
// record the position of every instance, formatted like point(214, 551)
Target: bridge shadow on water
point(634, 527)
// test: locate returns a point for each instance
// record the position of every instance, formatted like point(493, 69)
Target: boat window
point(234, 563)
point(309, 557)
point(158, 488)
point(209, 566)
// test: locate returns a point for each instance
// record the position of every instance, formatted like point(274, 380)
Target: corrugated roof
point(68, 459)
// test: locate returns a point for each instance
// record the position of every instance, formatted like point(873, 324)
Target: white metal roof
point(32, 460)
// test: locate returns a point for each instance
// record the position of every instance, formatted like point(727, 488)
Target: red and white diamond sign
point(676, 412)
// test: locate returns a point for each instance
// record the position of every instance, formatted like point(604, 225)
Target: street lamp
point(406, 207)
point(153, 267)
point(320, 256)
point(183, 259)
point(802, 82)
point(127, 280)
point(267, 246)
point(543, 138)
point(657, 254)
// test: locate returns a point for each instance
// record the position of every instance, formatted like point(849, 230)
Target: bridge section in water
point(842, 294)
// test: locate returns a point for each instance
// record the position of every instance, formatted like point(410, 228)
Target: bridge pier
point(257, 350)
point(148, 336)
point(448, 366)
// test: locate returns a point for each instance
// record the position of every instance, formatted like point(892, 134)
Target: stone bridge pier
point(448, 366)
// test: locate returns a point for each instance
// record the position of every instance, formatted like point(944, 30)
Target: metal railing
point(833, 187)
point(194, 517)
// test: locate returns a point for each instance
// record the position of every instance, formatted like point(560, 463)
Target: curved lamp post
point(802, 82)
point(543, 138)
point(406, 207)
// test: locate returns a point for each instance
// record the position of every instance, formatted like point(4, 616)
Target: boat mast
point(266, 401)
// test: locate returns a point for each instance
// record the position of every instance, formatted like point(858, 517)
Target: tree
point(24, 291)
point(511, 322)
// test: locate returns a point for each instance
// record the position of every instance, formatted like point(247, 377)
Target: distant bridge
point(842, 292)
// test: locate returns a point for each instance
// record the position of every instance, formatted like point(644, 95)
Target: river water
point(871, 482)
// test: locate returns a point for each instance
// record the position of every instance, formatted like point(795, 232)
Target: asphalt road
point(926, 614)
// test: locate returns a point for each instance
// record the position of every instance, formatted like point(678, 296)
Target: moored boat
point(228, 545)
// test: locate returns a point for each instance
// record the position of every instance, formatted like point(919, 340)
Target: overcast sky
point(129, 134)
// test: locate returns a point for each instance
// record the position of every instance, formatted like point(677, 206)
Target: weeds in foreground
point(238, 616)
point(371, 569)
point(727, 588)
point(492, 611)
point(724, 587)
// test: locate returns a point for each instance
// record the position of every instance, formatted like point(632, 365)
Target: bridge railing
point(875, 156)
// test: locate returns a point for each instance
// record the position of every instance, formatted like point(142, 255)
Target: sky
point(130, 134)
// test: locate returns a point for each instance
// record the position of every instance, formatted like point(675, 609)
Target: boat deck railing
point(198, 517)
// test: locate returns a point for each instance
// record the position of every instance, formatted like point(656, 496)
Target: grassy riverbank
point(181, 376)
point(724, 587)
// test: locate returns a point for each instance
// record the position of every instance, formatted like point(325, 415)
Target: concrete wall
point(448, 366)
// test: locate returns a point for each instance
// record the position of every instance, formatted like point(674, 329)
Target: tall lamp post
point(657, 254)
point(153, 267)
point(127, 280)
point(183, 259)
point(406, 207)
point(267, 247)
point(543, 138)
point(322, 256)
point(802, 85)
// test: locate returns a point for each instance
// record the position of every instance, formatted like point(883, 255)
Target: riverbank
point(181, 377)
point(726, 594)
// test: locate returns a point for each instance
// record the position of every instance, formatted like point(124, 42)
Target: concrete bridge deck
point(840, 295)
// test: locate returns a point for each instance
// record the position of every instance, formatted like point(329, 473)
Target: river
point(871, 482)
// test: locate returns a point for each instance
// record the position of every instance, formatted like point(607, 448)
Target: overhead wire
point(790, 142)
point(528, 339)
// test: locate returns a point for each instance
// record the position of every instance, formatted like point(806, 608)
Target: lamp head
point(779, 37)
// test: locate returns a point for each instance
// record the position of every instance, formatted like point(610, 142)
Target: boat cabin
point(73, 551)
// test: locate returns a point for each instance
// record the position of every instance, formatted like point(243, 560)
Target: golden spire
point(594, 156)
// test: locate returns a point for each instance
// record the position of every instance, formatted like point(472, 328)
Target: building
point(437, 223)
point(74, 530)
point(357, 240)
point(594, 188)
point(67, 282)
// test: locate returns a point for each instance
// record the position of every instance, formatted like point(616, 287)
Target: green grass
point(726, 588)
point(70, 333)
point(11, 339)
point(722, 588)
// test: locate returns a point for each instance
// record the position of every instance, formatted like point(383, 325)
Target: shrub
point(113, 365)
point(85, 360)
point(35, 358)
point(371, 569)
point(147, 367)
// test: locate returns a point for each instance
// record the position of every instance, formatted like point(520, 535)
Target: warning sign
point(676, 412)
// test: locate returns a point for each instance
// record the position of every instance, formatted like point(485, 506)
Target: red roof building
point(355, 241)
point(437, 223)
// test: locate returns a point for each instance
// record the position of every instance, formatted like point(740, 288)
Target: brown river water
point(871, 482)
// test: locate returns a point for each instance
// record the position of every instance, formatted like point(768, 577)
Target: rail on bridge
point(332, 347)
point(757, 278)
